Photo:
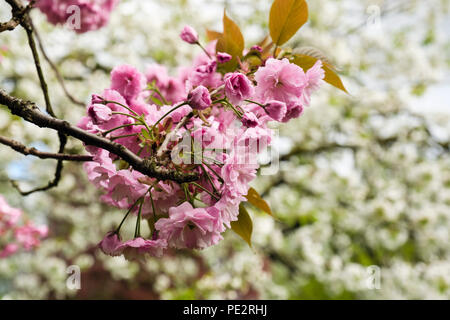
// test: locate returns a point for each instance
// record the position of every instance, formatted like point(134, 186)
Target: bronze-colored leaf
point(212, 35)
point(306, 62)
point(231, 42)
point(243, 226)
point(286, 17)
point(255, 199)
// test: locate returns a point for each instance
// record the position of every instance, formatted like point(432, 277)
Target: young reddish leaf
point(231, 42)
point(244, 225)
point(255, 199)
point(212, 35)
point(306, 62)
point(286, 17)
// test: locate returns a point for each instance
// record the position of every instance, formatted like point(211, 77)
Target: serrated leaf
point(212, 35)
point(231, 42)
point(306, 62)
point(255, 199)
point(243, 226)
point(286, 17)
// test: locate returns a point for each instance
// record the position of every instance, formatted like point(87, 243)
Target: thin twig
point(55, 69)
point(21, 148)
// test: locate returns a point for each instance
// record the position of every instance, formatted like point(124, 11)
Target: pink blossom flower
point(128, 81)
point(205, 75)
point(250, 120)
point(276, 109)
point(8, 215)
point(93, 14)
point(237, 173)
point(315, 75)
point(223, 57)
point(199, 98)
point(171, 88)
point(280, 80)
point(110, 243)
point(99, 113)
point(136, 248)
point(237, 87)
point(294, 110)
point(9, 250)
point(190, 228)
point(189, 35)
point(30, 235)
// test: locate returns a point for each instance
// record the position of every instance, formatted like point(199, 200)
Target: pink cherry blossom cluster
point(205, 120)
point(15, 236)
point(90, 14)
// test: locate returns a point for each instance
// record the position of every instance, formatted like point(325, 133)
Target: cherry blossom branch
point(21, 148)
point(169, 137)
point(31, 113)
point(19, 13)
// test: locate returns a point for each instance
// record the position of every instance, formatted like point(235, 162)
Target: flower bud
point(223, 57)
point(256, 48)
point(276, 109)
point(250, 120)
point(96, 99)
point(199, 98)
point(189, 35)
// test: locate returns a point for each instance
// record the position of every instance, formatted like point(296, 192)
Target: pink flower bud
point(96, 99)
point(223, 57)
point(250, 120)
point(293, 111)
point(256, 48)
point(238, 87)
point(276, 109)
point(199, 98)
point(109, 245)
point(189, 35)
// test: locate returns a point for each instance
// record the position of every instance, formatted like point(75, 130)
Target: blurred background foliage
point(364, 178)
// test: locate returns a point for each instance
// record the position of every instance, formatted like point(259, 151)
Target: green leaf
point(231, 42)
point(145, 134)
point(255, 199)
point(286, 17)
point(305, 62)
point(244, 225)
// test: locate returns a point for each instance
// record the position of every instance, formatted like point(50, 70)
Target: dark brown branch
point(31, 113)
point(26, 23)
point(19, 13)
point(21, 148)
point(10, 25)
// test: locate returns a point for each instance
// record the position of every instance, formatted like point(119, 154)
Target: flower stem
point(259, 104)
point(204, 50)
point(124, 136)
point(209, 179)
point(122, 105)
point(206, 190)
point(120, 127)
point(158, 92)
point(126, 215)
point(169, 112)
point(137, 231)
point(215, 173)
